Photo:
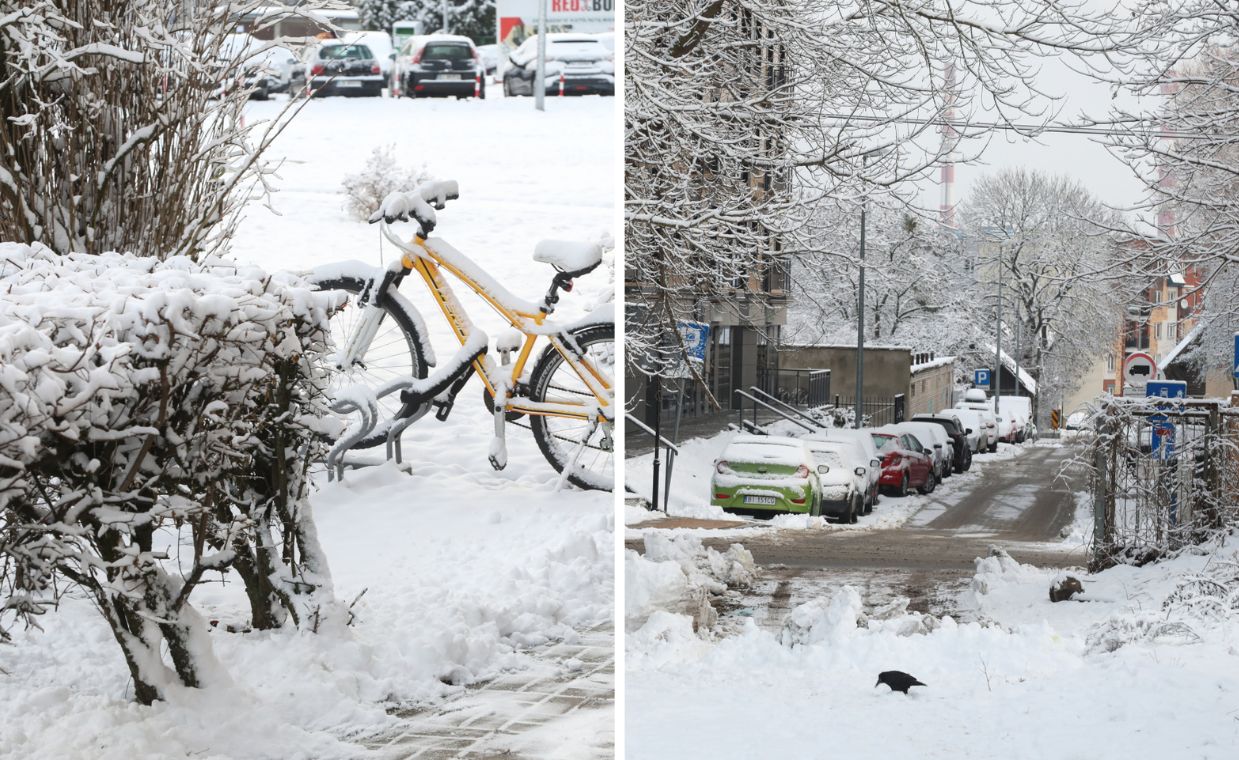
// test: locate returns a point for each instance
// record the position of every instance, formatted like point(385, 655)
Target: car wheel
point(903, 486)
point(507, 88)
point(929, 485)
point(855, 509)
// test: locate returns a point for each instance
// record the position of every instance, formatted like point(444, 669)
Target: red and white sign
point(518, 19)
point(1138, 369)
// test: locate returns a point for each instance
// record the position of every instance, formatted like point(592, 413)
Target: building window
point(1110, 363)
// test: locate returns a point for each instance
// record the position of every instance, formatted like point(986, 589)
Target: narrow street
point(1021, 505)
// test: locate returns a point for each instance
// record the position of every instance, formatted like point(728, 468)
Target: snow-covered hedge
point(142, 401)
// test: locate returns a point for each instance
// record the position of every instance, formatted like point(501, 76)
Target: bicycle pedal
point(498, 454)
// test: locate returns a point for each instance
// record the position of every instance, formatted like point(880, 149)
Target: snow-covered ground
point(464, 570)
point(1144, 665)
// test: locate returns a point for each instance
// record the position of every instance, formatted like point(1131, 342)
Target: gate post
point(899, 407)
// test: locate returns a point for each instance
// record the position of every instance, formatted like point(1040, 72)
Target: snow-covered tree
point(743, 115)
point(123, 126)
point(474, 19)
point(1062, 302)
point(1186, 152)
point(915, 286)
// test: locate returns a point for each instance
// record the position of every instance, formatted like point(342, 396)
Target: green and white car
point(759, 474)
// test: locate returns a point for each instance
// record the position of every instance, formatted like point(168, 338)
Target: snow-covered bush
point(156, 423)
point(381, 176)
point(124, 127)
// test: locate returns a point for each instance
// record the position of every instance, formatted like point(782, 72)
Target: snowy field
point(1143, 664)
point(459, 572)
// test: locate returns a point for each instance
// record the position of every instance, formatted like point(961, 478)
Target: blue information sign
point(980, 377)
point(1162, 435)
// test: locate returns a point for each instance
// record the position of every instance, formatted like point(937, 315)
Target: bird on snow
point(897, 680)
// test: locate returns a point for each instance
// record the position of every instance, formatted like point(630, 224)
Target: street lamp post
point(998, 337)
point(539, 92)
point(860, 319)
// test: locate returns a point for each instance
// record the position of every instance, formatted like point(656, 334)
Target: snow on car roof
point(757, 448)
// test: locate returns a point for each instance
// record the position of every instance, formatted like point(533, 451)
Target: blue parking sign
point(980, 377)
point(1163, 432)
point(1237, 356)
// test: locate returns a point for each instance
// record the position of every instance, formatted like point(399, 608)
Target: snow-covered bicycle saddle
point(572, 258)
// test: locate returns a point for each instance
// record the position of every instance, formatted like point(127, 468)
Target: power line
point(1028, 130)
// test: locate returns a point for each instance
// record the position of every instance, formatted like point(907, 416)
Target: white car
point(976, 399)
point(933, 437)
point(1019, 407)
point(843, 477)
point(868, 453)
point(578, 63)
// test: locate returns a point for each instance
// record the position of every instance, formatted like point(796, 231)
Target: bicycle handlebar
point(420, 204)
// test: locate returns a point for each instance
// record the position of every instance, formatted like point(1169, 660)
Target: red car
point(904, 464)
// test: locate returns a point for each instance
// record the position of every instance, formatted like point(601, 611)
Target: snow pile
point(831, 620)
point(677, 573)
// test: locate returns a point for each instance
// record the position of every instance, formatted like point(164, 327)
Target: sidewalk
point(522, 716)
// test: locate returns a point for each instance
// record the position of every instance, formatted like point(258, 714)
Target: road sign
point(1162, 439)
point(1166, 389)
point(980, 377)
point(1138, 369)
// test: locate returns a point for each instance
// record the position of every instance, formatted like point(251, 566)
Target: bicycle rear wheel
point(560, 438)
point(395, 352)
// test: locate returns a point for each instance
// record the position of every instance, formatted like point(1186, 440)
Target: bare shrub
point(381, 176)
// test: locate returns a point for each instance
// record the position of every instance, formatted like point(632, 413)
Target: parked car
point(868, 455)
point(584, 63)
point(1019, 407)
point(380, 44)
point(490, 58)
point(334, 67)
point(843, 477)
point(975, 431)
point(263, 68)
point(961, 449)
point(439, 65)
point(765, 474)
point(904, 463)
point(976, 399)
point(1008, 429)
point(935, 439)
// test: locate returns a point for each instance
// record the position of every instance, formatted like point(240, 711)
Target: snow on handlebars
point(417, 205)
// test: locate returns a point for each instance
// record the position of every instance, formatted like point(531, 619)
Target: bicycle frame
point(430, 259)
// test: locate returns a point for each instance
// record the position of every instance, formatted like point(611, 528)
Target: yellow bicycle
point(568, 397)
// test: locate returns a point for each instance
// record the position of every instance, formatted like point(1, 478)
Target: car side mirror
point(859, 471)
point(937, 445)
point(968, 431)
point(875, 462)
point(391, 56)
point(822, 469)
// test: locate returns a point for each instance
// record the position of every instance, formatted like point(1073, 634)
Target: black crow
point(897, 680)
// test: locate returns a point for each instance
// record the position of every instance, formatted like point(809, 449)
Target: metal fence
point(1163, 475)
point(877, 410)
point(805, 388)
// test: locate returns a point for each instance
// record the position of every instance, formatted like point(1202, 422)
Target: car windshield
point(451, 51)
point(885, 442)
point(345, 52)
point(830, 458)
point(757, 451)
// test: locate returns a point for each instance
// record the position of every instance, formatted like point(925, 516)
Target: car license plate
point(450, 77)
point(347, 83)
point(767, 500)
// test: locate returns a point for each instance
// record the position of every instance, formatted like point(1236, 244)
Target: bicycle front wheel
point(561, 439)
point(395, 352)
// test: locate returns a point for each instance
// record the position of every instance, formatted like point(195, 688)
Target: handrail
point(784, 415)
point(788, 407)
point(665, 443)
